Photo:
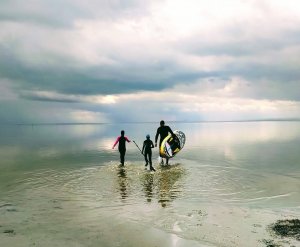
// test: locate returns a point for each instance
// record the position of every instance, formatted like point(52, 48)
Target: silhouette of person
point(163, 132)
point(122, 146)
point(146, 150)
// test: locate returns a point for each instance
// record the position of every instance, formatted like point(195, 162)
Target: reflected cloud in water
point(239, 132)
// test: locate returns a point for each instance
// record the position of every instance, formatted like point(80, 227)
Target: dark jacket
point(148, 144)
point(163, 131)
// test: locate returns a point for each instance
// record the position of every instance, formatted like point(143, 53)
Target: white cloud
point(207, 60)
point(200, 106)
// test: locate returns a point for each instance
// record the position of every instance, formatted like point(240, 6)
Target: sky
point(74, 61)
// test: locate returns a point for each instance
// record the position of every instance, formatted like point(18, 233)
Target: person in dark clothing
point(122, 146)
point(162, 131)
point(147, 152)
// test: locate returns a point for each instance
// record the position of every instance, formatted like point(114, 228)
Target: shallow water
point(61, 185)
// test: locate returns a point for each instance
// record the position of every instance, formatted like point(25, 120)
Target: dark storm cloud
point(93, 79)
point(129, 75)
point(266, 81)
point(260, 60)
point(35, 97)
point(278, 73)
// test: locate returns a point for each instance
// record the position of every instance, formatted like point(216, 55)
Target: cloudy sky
point(130, 60)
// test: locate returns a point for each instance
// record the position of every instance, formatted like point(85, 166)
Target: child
point(122, 146)
point(146, 150)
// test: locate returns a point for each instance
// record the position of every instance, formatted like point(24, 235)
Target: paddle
point(138, 147)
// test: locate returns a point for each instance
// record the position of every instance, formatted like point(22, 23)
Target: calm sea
point(61, 185)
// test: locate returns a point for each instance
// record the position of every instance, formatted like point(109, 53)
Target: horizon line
point(147, 122)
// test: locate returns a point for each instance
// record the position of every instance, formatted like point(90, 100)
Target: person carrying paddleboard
point(162, 131)
point(147, 152)
point(122, 146)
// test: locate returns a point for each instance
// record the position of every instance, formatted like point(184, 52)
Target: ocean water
point(61, 185)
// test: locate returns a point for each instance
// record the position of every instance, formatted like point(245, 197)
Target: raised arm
point(116, 142)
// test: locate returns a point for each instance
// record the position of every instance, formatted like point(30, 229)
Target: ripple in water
point(233, 185)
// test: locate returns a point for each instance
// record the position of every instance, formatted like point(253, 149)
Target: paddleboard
point(171, 145)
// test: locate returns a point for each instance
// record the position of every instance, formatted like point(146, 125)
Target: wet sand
point(213, 226)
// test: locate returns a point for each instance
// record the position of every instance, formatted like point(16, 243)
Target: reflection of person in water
point(165, 185)
point(168, 178)
point(122, 146)
point(162, 131)
point(148, 186)
point(122, 178)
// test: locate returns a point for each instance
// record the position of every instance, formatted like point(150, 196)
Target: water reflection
point(239, 132)
point(148, 184)
point(165, 184)
point(169, 187)
point(122, 180)
point(264, 148)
